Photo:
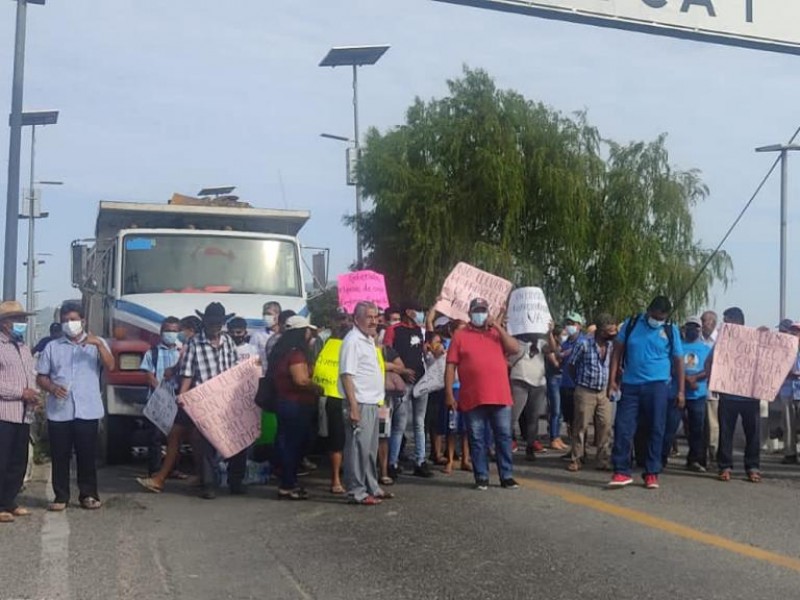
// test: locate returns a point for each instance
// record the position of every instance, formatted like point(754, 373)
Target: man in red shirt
point(479, 353)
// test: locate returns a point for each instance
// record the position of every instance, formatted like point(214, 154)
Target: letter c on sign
point(655, 3)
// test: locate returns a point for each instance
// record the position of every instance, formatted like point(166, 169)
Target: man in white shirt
point(260, 338)
point(361, 382)
point(245, 349)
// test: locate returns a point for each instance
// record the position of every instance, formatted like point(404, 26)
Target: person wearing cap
point(789, 396)
point(297, 397)
point(695, 354)
point(479, 353)
point(361, 383)
point(18, 400)
point(649, 353)
point(69, 371)
point(573, 325)
point(408, 341)
point(208, 354)
point(731, 407)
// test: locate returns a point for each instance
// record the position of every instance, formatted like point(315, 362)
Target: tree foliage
point(525, 192)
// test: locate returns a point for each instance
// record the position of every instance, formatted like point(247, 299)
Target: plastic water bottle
point(222, 473)
point(452, 421)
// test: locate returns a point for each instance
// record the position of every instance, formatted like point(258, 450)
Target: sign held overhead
point(758, 24)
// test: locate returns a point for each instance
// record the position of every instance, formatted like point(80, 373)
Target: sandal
point(6, 517)
point(441, 461)
point(21, 512)
point(385, 496)
point(90, 503)
point(724, 475)
point(179, 475)
point(754, 477)
point(149, 484)
point(574, 466)
point(338, 490)
point(298, 494)
point(57, 506)
point(386, 481)
point(466, 467)
point(367, 501)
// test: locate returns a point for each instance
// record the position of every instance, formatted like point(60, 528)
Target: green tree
point(523, 191)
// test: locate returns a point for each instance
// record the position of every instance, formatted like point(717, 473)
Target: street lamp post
point(14, 153)
point(355, 56)
point(784, 150)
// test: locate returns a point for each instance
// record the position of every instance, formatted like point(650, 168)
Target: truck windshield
point(174, 263)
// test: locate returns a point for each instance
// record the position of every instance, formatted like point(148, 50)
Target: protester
point(18, 401)
point(408, 340)
point(649, 352)
point(55, 333)
point(69, 371)
point(789, 396)
point(709, 337)
point(572, 326)
point(159, 363)
point(237, 329)
point(297, 396)
point(589, 369)
point(695, 352)
point(395, 388)
point(334, 413)
point(529, 389)
point(436, 415)
point(208, 354)
point(391, 318)
point(361, 383)
point(182, 429)
point(553, 373)
point(259, 339)
point(731, 407)
point(479, 353)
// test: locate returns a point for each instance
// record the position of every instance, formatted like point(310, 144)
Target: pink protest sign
point(751, 362)
point(362, 286)
point(466, 282)
point(224, 408)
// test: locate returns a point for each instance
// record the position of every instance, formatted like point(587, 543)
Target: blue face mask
point(18, 330)
point(479, 318)
point(182, 337)
point(419, 317)
point(170, 338)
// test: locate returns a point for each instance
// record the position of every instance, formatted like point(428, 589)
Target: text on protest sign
point(326, 369)
point(464, 283)
point(224, 408)
point(161, 408)
point(528, 311)
point(751, 363)
point(362, 286)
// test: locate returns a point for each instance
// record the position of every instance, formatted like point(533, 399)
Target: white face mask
point(72, 329)
point(655, 323)
point(269, 321)
point(572, 330)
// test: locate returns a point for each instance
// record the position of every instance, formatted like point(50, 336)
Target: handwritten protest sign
point(362, 286)
point(326, 369)
point(528, 311)
point(466, 282)
point(224, 409)
point(433, 379)
point(161, 407)
point(750, 362)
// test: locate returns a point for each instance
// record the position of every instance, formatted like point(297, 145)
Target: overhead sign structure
point(771, 25)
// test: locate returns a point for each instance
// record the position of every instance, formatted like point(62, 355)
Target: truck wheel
point(118, 434)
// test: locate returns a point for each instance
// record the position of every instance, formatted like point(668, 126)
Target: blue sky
point(161, 97)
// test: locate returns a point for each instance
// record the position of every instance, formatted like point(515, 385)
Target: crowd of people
point(632, 384)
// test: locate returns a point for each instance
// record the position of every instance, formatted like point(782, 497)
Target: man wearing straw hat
point(18, 400)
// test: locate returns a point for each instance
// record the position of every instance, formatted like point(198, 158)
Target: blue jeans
point(554, 402)
point(650, 401)
point(400, 412)
point(294, 425)
point(498, 420)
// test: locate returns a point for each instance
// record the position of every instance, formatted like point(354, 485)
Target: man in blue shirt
point(69, 371)
point(649, 352)
point(573, 325)
point(695, 353)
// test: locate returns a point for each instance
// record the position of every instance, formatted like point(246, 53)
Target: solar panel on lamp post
point(355, 56)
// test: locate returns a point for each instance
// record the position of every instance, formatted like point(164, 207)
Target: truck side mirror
point(80, 256)
point(319, 268)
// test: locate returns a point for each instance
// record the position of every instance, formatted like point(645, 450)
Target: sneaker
point(538, 447)
point(307, 465)
point(651, 481)
point(514, 446)
point(482, 485)
point(530, 454)
point(394, 472)
point(697, 467)
point(557, 444)
point(208, 494)
point(509, 484)
point(423, 470)
point(619, 480)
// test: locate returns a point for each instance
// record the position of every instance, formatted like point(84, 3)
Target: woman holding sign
point(290, 367)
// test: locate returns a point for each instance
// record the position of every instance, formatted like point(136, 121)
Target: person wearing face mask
point(408, 341)
point(649, 353)
point(479, 353)
point(696, 352)
point(237, 329)
point(69, 370)
point(159, 363)
point(391, 319)
point(259, 339)
point(18, 400)
point(573, 326)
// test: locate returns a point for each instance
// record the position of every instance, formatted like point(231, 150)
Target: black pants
point(155, 440)
point(237, 466)
point(81, 436)
point(729, 412)
point(13, 462)
point(568, 406)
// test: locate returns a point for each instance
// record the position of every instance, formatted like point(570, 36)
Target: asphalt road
point(561, 536)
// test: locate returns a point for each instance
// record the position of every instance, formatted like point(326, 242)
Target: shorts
point(183, 419)
point(334, 409)
point(443, 422)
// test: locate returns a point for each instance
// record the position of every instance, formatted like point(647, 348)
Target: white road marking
point(54, 565)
